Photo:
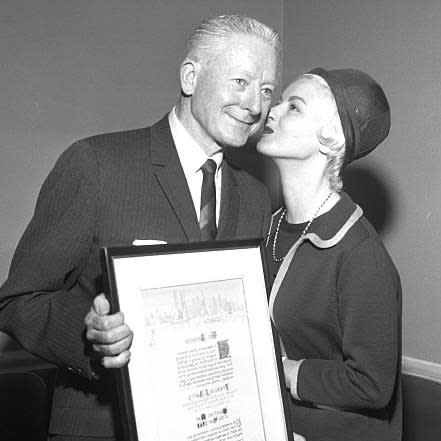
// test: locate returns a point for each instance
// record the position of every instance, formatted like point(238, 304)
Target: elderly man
point(166, 182)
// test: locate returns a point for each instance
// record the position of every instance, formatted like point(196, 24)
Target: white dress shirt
point(192, 158)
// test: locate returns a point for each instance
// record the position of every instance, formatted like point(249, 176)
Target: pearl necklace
point(276, 234)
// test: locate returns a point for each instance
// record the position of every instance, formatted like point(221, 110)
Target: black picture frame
point(193, 304)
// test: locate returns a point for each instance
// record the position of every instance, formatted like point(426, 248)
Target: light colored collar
point(191, 155)
point(319, 243)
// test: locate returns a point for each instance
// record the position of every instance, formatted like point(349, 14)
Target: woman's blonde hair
point(331, 135)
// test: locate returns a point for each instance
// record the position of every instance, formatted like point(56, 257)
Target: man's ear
point(188, 73)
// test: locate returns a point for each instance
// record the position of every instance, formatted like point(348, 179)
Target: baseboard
point(421, 368)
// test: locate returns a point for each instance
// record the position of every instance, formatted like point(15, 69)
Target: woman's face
point(293, 125)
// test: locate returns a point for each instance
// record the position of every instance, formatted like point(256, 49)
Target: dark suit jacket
point(105, 190)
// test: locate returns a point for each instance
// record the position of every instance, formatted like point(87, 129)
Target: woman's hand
point(291, 371)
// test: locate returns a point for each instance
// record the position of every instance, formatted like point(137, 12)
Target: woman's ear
point(327, 137)
point(188, 73)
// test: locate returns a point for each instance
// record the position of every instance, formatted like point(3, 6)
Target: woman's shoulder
point(364, 248)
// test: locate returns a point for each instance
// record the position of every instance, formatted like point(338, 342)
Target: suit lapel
point(171, 178)
point(230, 204)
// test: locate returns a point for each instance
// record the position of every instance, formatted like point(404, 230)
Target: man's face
point(232, 95)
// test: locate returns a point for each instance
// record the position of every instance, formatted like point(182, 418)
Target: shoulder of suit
point(116, 139)
point(110, 144)
point(103, 150)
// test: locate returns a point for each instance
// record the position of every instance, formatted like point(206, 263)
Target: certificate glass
point(205, 363)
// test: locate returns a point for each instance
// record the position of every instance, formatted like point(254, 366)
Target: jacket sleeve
point(267, 215)
point(43, 302)
point(369, 305)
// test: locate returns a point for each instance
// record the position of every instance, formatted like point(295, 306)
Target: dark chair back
point(421, 409)
point(24, 407)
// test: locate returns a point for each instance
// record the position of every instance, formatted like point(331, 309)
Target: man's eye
point(292, 107)
point(267, 93)
point(240, 82)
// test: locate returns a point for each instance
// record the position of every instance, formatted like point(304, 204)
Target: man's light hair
point(207, 41)
point(336, 140)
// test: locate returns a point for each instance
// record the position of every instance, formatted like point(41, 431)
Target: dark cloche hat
point(363, 109)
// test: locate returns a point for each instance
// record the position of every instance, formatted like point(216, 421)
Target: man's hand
point(111, 338)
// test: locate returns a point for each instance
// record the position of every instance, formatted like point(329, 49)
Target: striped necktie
point(207, 220)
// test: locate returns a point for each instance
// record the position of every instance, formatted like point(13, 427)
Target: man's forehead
point(250, 56)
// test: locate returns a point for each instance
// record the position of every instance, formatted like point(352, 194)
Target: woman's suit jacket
point(105, 190)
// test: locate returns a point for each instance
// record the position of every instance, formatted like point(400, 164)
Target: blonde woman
point(336, 296)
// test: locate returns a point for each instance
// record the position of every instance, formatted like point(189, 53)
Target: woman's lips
point(267, 130)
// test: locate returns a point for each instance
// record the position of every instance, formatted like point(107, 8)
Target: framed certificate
point(205, 363)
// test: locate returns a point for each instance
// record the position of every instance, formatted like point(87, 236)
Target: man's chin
point(237, 142)
point(235, 139)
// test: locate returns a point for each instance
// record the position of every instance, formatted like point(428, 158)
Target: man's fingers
point(101, 305)
point(104, 322)
point(108, 336)
point(117, 354)
point(99, 316)
point(113, 350)
point(116, 361)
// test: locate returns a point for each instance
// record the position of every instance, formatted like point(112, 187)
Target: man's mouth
point(244, 120)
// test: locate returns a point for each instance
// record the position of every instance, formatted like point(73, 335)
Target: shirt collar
point(190, 154)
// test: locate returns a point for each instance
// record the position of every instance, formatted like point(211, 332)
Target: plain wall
point(398, 43)
point(73, 69)
point(70, 69)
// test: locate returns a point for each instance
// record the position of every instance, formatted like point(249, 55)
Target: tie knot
point(209, 167)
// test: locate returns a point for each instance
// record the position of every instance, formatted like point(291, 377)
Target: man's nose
point(253, 101)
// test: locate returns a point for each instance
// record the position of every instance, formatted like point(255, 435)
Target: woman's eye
point(292, 107)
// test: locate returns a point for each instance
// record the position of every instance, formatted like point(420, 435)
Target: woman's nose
point(273, 113)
